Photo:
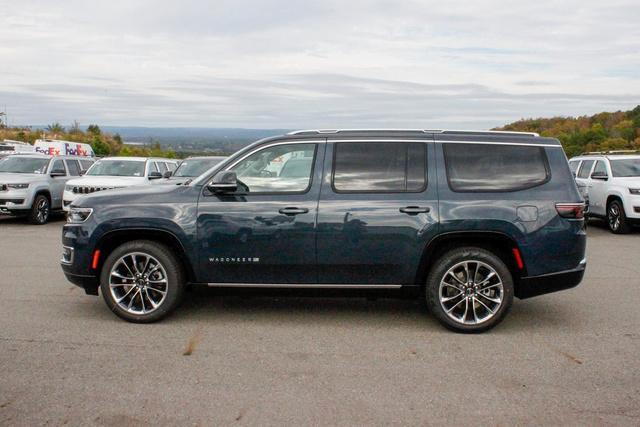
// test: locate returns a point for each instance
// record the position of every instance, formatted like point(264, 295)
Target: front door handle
point(293, 211)
point(415, 210)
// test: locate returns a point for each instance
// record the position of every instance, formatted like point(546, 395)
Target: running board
point(303, 285)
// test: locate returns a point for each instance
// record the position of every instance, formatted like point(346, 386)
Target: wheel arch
point(114, 238)
point(496, 242)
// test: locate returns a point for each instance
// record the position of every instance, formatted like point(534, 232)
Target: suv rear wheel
point(40, 210)
point(616, 219)
point(142, 281)
point(469, 290)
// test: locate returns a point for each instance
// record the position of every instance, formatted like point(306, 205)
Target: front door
point(378, 208)
point(265, 232)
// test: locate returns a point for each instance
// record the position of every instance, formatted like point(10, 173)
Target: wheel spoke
point(493, 300)
point(486, 306)
point(125, 295)
point(455, 278)
point(153, 304)
point(455, 305)
point(486, 279)
point(466, 309)
point(447, 299)
point(121, 276)
point(473, 307)
point(486, 288)
point(160, 291)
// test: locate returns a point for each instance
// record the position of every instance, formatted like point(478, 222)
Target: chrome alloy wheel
point(42, 210)
point(471, 292)
point(613, 215)
point(138, 283)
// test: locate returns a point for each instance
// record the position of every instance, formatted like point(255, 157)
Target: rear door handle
point(414, 210)
point(293, 211)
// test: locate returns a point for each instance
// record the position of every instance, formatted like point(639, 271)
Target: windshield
point(195, 167)
point(117, 168)
point(24, 165)
point(625, 167)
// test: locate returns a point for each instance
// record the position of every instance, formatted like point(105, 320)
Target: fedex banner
point(63, 148)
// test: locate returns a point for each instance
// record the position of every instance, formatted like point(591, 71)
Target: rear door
point(57, 183)
point(598, 189)
point(378, 208)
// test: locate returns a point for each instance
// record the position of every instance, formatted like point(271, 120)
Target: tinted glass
point(73, 168)
point(625, 167)
point(153, 167)
point(585, 169)
point(24, 165)
point(270, 171)
point(58, 165)
point(162, 167)
point(493, 167)
point(117, 168)
point(600, 167)
point(380, 167)
point(195, 167)
point(86, 164)
point(574, 166)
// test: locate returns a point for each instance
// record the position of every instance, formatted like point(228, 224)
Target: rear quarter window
point(477, 167)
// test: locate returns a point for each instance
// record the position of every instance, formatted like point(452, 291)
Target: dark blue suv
point(466, 220)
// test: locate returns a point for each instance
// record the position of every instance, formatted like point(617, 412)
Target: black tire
point(616, 219)
point(174, 285)
point(484, 261)
point(40, 210)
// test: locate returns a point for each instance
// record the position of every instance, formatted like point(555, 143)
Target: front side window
point(380, 167)
point(585, 169)
point(283, 168)
point(114, 167)
point(625, 167)
point(494, 168)
point(24, 165)
point(58, 165)
point(600, 168)
point(162, 167)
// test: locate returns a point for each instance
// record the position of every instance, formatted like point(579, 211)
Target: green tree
point(94, 130)
point(55, 127)
point(100, 147)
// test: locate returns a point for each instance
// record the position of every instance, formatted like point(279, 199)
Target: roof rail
point(471, 132)
point(601, 153)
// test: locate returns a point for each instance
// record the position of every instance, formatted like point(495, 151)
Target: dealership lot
point(565, 358)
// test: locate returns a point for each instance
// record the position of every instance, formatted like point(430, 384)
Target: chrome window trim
point(387, 139)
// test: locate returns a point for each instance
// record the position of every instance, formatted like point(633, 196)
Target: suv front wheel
point(142, 281)
point(469, 290)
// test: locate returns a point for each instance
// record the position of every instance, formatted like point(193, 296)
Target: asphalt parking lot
point(566, 358)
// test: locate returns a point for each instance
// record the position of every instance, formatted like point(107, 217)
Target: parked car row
point(612, 187)
point(465, 220)
point(36, 184)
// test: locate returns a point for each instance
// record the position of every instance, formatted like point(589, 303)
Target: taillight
point(570, 210)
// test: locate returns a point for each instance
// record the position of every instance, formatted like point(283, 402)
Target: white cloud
point(288, 64)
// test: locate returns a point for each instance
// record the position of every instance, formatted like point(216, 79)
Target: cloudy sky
point(300, 64)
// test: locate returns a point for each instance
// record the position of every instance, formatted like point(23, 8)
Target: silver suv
point(32, 184)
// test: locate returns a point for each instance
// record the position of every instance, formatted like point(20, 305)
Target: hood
point(172, 181)
point(628, 181)
point(108, 181)
point(136, 195)
point(20, 178)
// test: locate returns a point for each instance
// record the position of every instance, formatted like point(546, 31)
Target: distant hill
point(601, 132)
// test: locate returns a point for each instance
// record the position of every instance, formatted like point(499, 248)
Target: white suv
point(613, 183)
point(116, 172)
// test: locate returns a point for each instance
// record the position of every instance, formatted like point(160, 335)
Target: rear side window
point(494, 168)
point(585, 169)
point(162, 166)
point(58, 165)
point(72, 166)
point(380, 167)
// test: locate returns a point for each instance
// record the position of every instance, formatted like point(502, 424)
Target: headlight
point(68, 188)
point(18, 186)
point(78, 215)
point(635, 191)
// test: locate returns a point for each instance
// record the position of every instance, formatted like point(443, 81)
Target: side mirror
point(155, 175)
point(167, 174)
point(600, 175)
point(224, 182)
point(58, 172)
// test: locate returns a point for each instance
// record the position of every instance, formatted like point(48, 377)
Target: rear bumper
point(547, 283)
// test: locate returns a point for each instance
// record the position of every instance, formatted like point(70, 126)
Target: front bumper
point(77, 251)
point(528, 287)
point(13, 201)
point(90, 284)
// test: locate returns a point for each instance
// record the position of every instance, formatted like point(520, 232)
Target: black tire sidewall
point(449, 259)
point(624, 227)
point(33, 214)
point(175, 280)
